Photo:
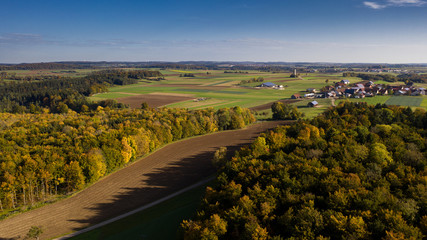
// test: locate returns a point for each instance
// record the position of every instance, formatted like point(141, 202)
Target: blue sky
point(384, 31)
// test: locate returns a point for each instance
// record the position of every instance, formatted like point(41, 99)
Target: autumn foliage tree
point(354, 172)
point(283, 111)
point(45, 155)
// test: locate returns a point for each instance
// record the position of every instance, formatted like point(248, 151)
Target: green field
point(158, 222)
point(392, 100)
point(223, 90)
point(405, 101)
point(220, 88)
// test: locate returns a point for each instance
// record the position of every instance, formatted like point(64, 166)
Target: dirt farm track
point(166, 171)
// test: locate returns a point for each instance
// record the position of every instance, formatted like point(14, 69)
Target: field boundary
point(137, 210)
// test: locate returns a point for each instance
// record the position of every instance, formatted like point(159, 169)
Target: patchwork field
point(218, 90)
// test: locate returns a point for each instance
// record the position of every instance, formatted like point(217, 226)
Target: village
point(361, 90)
point(344, 89)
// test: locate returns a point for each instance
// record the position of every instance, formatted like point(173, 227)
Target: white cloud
point(406, 2)
point(394, 3)
point(17, 38)
point(374, 5)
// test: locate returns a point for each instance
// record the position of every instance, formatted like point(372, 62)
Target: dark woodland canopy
point(354, 172)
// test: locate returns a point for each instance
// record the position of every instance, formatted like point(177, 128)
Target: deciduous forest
point(354, 172)
point(45, 155)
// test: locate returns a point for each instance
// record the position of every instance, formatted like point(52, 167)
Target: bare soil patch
point(268, 105)
point(153, 100)
point(166, 171)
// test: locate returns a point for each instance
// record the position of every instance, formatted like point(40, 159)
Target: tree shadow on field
point(158, 184)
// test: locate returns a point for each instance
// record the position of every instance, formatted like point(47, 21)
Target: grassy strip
point(424, 102)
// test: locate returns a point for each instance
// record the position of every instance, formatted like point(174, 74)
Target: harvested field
point(164, 172)
point(268, 105)
point(192, 86)
point(153, 100)
point(208, 102)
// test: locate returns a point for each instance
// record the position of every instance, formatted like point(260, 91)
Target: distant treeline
point(61, 94)
point(45, 155)
point(39, 66)
point(406, 77)
point(204, 65)
point(14, 76)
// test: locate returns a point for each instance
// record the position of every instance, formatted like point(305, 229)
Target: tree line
point(61, 94)
point(40, 66)
point(13, 76)
point(48, 155)
point(252, 80)
point(354, 172)
point(186, 75)
point(405, 77)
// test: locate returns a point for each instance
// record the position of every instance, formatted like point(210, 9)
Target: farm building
point(296, 96)
point(312, 104)
point(352, 90)
point(268, 84)
point(360, 86)
point(369, 84)
point(345, 81)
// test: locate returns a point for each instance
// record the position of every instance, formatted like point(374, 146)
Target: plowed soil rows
point(166, 171)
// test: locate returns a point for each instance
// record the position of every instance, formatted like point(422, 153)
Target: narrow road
point(166, 171)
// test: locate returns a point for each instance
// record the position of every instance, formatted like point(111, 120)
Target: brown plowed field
point(268, 105)
point(165, 171)
point(152, 100)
